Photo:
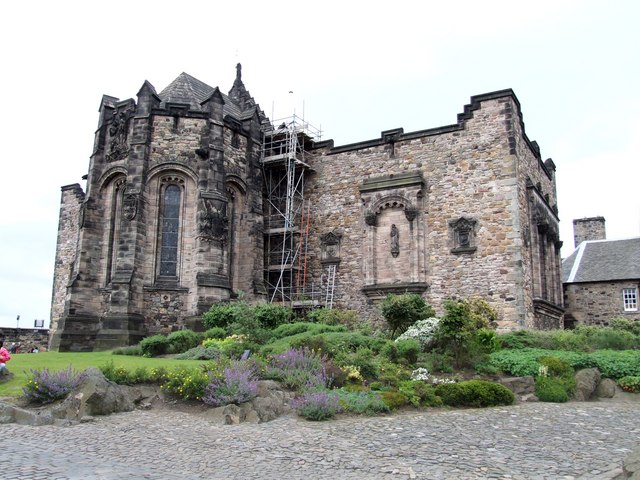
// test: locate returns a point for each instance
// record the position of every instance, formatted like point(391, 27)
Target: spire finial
point(238, 72)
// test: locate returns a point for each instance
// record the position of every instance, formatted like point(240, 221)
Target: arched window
point(117, 193)
point(170, 231)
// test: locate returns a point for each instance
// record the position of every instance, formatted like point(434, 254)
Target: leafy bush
point(298, 368)
point(317, 405)
point(630, 384)
point(409, 350)
point(420, 394)
point(189, 383)
point(314, 343)
point(390, 374)
point(238, 384)
point(133, 350)
point(200, 353)
point(457, 333)
point(556, 367)
point(270, 315)
point(393, 399)
point(626, 324)
point(423, 331)
point(334, 316)
point(290, 329)
point(154, 345)
point(584, 338)
point(402, 311)
point(222, 315)
point(46, 387)
point(520, 339)
point(474, 393)
point(182, 340)
point(549, 389)
point(481, 313)
point(362, 403)
point(215, 332)
point(124, 376)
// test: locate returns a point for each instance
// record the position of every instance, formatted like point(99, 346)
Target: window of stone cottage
point(169, 231)
point(630, 299)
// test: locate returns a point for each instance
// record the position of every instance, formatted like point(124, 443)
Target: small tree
point(402, 311)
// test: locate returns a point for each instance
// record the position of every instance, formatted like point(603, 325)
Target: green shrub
point(556, 367)
point(334, 316)
point(222, 315)
point(408, 350)
point(317, 405)
point(390, 374)
point(474, 393)
point(420, 394)
point(124, 376)
point(182, 340)
point(393, 399)
point(520, 339)
point(402, 311)
point(630, 384)
point(154, 345)
point(315, 343)
point(133, 350)
point(188, 383)
point(549, 389)
point(362, 403)
point(215, 332)
point(270, 315)
point(200, 353)
point(296, 328)
point(424, 331)
point(626, 325)
point(390, 351)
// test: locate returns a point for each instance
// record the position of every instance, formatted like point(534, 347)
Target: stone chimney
point(588, 229)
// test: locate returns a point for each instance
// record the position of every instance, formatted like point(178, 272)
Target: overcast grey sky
point(356, 68)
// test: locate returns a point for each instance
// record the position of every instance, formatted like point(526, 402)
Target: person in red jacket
point(4, 356)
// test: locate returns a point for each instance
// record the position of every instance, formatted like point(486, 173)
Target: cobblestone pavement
point(528, 441)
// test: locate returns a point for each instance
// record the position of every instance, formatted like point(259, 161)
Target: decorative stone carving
point(371, 218)
point(130, 205)
point(410, 212)
point(463, 231)
point(394, 235)
point(330, 247)
point(213, 223)
point(119, 148)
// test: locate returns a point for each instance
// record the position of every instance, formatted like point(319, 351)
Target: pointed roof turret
point(239, 94)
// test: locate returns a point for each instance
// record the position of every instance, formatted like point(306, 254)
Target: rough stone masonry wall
point(468, 173)
point(71, 199)
point(530, 169)
point(597, 303)
point(588, 229)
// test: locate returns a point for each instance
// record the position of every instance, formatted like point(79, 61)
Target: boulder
point(271, 402)
point(524, 388)
point(606, 388)
point(587, 381)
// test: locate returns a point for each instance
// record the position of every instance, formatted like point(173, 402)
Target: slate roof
point(189, 90)
point(603, 260)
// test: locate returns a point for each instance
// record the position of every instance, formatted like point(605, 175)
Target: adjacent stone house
point(195, 197)
point(601, 277)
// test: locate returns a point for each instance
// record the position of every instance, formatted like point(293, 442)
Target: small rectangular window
point(630, 299)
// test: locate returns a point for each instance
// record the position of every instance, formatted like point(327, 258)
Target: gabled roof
point(603, 260)
point(191, 91)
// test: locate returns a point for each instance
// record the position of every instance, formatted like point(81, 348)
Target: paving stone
point(532, 441)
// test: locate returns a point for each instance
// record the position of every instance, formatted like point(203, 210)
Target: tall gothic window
point(114, 229)
point(169, 231)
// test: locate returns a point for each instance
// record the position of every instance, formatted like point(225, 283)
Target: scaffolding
point(287, 215)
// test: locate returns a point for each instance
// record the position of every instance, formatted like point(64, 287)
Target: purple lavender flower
point(238, 384)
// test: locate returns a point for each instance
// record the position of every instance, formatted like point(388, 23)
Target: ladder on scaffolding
point(331, 284)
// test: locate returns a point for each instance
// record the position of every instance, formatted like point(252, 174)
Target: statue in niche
point(212, 221)
point(118, 131)
point(395, 241)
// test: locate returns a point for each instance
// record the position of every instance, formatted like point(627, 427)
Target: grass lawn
point(21, 365)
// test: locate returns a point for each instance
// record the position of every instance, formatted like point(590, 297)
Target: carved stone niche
point(330, 247)
point(463, 235)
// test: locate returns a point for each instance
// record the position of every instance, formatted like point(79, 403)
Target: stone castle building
point(601, 277)
point(195, 197)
